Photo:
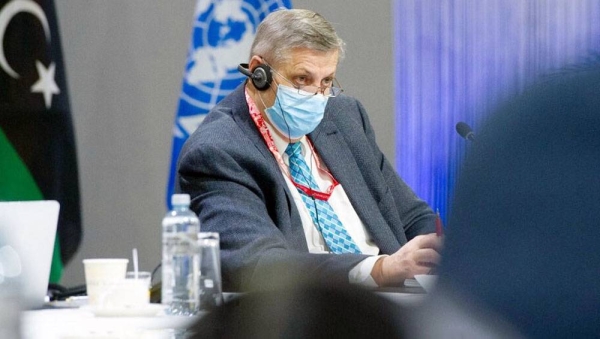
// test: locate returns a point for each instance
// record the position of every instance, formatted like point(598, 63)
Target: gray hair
point(284, 30)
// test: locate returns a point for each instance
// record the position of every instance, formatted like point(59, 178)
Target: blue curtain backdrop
point(221, 38)
point(456, 60)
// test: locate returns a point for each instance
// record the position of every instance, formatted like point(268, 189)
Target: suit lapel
point(336, 155)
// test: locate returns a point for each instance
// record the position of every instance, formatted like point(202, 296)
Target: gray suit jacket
point(238, 190)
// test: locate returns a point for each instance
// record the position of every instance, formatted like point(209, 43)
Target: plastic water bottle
point(180, 258)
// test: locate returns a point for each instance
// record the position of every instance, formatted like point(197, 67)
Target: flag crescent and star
point(46, 85)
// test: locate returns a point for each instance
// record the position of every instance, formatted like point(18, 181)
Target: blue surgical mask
point(295, 115)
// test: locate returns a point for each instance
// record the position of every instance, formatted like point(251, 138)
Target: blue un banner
point(221, 39)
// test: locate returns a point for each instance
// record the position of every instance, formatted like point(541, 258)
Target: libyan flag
point(37, 148)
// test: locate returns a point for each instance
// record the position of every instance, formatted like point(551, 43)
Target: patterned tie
point(334, 233)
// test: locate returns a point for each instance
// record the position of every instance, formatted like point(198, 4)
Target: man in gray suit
point(287, 170)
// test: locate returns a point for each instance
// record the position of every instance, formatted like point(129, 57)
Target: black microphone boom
point(465, 131)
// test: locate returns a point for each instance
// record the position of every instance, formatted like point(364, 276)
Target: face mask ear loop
point(282, 110)
point(261, 98)
point(284, 120)
point(262, 101)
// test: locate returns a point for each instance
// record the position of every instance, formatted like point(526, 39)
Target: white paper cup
point(101, 276)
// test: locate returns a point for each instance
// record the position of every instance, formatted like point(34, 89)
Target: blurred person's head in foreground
point(525, 224)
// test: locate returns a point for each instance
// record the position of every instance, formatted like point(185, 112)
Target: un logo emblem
point(222, 36)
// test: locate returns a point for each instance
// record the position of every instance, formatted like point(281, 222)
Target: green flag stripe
point(17, 184)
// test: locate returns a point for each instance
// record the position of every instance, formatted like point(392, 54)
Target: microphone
point(465, 131)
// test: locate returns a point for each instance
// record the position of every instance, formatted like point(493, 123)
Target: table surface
point(59, 321)
point(64, 323)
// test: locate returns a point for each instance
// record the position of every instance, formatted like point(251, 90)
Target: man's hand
point(418, 256)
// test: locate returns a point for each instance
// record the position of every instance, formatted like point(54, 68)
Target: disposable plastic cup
point(101, 276)
point(129, 293)
point(143, 276)
point(210, 270)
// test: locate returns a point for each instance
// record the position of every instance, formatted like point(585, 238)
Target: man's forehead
point(310, 61)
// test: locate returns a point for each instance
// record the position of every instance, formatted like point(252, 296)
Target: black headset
point(260, 76)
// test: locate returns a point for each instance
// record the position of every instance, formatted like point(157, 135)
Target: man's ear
point(254, 62)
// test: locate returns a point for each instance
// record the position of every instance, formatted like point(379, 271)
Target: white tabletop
point(70, 322)
point(67, 323)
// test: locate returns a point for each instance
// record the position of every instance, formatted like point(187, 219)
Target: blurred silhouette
point(525, 224)
point(308, 310)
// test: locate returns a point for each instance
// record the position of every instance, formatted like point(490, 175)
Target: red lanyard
point(266, 134)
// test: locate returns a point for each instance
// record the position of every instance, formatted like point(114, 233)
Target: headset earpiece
point(261, 76)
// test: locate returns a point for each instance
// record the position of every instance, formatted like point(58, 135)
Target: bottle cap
point(180, 199)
